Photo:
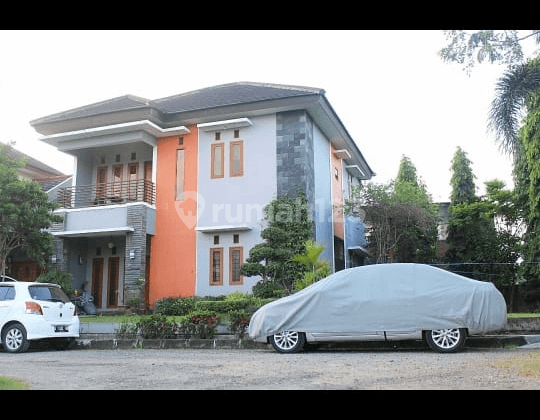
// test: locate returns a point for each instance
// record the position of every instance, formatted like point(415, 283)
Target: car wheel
point(447, 340)
point(288, 341)
point(14, 338)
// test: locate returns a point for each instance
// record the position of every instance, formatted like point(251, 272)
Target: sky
point(390, 89)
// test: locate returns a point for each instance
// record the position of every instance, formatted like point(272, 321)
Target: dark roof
point(30, 161)
point(210, 97)
point(121, 103)
point(51, 182)
point(230, 94)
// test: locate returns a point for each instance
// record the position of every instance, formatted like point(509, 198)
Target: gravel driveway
point(265, 369)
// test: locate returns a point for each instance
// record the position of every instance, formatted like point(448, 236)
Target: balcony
point(82, 196)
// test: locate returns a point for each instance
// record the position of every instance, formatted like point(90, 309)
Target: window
point(7, 293)
point(235, 262)
point(180, 174)
point(216, 239)
point(217, 161)
point(48, 293)
point(217, 135)
point(236, 238)
point(236, 134)
point(216, 266)
point(237, 158)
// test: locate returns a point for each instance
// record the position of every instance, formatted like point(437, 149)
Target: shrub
point(268, 289)
point(60, 278)
point(155, 326)
point(199, 323)
point(175, 306)
point(239, 321)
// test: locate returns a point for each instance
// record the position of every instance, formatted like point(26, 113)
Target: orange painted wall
point(173, 248)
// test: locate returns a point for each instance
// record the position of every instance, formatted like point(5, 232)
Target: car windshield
point(49, 293)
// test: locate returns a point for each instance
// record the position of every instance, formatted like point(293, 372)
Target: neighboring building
point(173, 189)
point(442, 229)
point(19, 264)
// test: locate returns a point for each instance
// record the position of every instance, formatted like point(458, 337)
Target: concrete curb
point(192, 343)
point(233, 343)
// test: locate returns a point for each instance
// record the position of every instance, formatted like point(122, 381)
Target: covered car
point(383, 302)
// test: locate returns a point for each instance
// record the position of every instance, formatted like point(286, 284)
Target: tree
point(483, 232)
point(25, 213)
point(527, 179)
point(520, 79)
point(401, 220)
point(512, 91)
point(462, 180)
point(289, 227)
point(496, 46)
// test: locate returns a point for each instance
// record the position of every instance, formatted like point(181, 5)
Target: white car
point(34, 311)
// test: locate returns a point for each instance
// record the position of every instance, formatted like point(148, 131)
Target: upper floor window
point(217, 159)
point(180, 173)
point(237, 158)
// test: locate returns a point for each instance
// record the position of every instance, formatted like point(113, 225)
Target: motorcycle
point(85, 304)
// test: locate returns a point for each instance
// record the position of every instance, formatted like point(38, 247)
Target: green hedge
point(177, 306)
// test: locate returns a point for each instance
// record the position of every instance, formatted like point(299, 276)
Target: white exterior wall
point(234, 204)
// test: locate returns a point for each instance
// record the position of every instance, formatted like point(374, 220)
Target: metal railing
point(108, 194)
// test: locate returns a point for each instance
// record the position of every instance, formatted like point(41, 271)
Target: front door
point(133, 174)
point(97, 281)
point(148, 196)
point(112, 282)
point(101, 187)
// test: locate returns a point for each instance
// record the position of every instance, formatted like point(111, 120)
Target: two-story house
point(173, 189)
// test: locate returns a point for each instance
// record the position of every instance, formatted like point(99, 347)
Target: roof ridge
point(261, 84)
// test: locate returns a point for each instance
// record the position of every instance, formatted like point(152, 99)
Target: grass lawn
point(11, 383)
point(524, 315)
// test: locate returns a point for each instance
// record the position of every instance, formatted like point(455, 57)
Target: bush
point(155, 326)
point(60, 278)
point(239, 321)
point(268, 289)
point(200, 323)
point(175, 306)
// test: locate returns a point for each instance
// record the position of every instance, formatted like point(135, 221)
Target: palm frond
point(512, 89)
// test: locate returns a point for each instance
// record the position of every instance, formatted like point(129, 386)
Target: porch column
point(135, 253)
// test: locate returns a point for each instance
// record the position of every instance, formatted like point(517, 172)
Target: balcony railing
point(107, 194)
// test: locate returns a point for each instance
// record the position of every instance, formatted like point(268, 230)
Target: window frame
point(213, 174)
point(232, 171)
point(179, 196)
point(211, 279)
point(240, 280)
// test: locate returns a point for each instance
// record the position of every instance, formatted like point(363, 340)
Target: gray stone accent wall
point(294, 153)
point(136, 241)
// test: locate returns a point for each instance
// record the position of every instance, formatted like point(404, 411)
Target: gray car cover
point(385, 297)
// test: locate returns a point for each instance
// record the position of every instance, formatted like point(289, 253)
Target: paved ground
point(265, 369)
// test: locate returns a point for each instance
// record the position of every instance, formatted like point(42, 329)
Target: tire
point(448, 340)
point(14, 338)
point(288, 341)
